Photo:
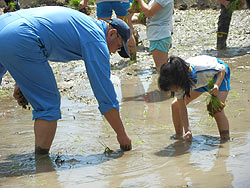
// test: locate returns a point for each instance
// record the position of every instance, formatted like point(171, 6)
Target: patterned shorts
point(162, 45)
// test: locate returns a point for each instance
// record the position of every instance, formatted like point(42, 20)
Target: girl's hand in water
point(188, 136)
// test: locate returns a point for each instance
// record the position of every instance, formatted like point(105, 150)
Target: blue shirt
point(66, 34)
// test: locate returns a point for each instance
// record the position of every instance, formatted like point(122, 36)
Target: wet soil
point(78, 157)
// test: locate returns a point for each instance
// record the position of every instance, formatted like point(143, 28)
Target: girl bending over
point(188, 80)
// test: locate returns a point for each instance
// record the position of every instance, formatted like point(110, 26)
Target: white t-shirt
point(206, 67)
point(160, 25)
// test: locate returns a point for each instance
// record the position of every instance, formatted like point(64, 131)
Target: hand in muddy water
point(18, 95)
point(125, 143)
point(188, 136)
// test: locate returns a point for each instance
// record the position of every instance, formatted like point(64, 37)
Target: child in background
point(159, 15)
point(105, 10)
point(189, 79)
point(224, 22)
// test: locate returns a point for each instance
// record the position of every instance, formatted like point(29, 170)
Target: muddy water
point(77, 156)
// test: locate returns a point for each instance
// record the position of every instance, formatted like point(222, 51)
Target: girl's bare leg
point(160, 58)
point(221, 119)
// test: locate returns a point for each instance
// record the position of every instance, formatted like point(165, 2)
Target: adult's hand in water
point(18, 95)
point(125, 143)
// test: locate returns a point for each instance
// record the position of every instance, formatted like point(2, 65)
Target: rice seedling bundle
point(135, 7)
point(142, 18)
point(234, 5)
point(74, 4)
point(11, 7)
point(214, 104)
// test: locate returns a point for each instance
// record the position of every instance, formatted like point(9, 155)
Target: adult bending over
point(31, 37)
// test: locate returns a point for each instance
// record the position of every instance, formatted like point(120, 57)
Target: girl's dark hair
point(175, 73)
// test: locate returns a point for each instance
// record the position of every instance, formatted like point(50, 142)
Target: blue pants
point(104, 9)
point(23, 56)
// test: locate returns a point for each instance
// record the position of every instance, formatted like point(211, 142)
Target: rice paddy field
point(79, 156)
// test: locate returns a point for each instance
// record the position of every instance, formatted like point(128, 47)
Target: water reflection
point(28, 164)
point(205, 158)
point(141, 99)
point(229, 52)
point(155, 161)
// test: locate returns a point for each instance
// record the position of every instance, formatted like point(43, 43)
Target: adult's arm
point(96, 57)
point(113, 117)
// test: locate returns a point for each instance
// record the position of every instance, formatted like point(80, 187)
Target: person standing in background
point(224, 22)
point(159, 26)
point(104, 12)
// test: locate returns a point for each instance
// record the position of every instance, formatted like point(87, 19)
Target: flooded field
point(78, 157)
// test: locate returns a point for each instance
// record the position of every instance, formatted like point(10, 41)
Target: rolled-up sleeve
point(97, 62)
point(3, 70)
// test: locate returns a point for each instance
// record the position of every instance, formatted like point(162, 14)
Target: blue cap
point(124, 31)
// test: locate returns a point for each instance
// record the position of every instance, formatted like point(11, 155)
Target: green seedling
point(11, 7)
point(135, 7)
point(234, 5)
point(75, 4)
point(142, 18)
point(4, 92)
point(107, 150)
point(214, 104)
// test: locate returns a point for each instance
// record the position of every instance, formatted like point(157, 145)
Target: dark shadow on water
point(122, 64)
point(150, 97)
point(27, 164)
point(142, 48)
point(228, 52)
point(199, 143)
